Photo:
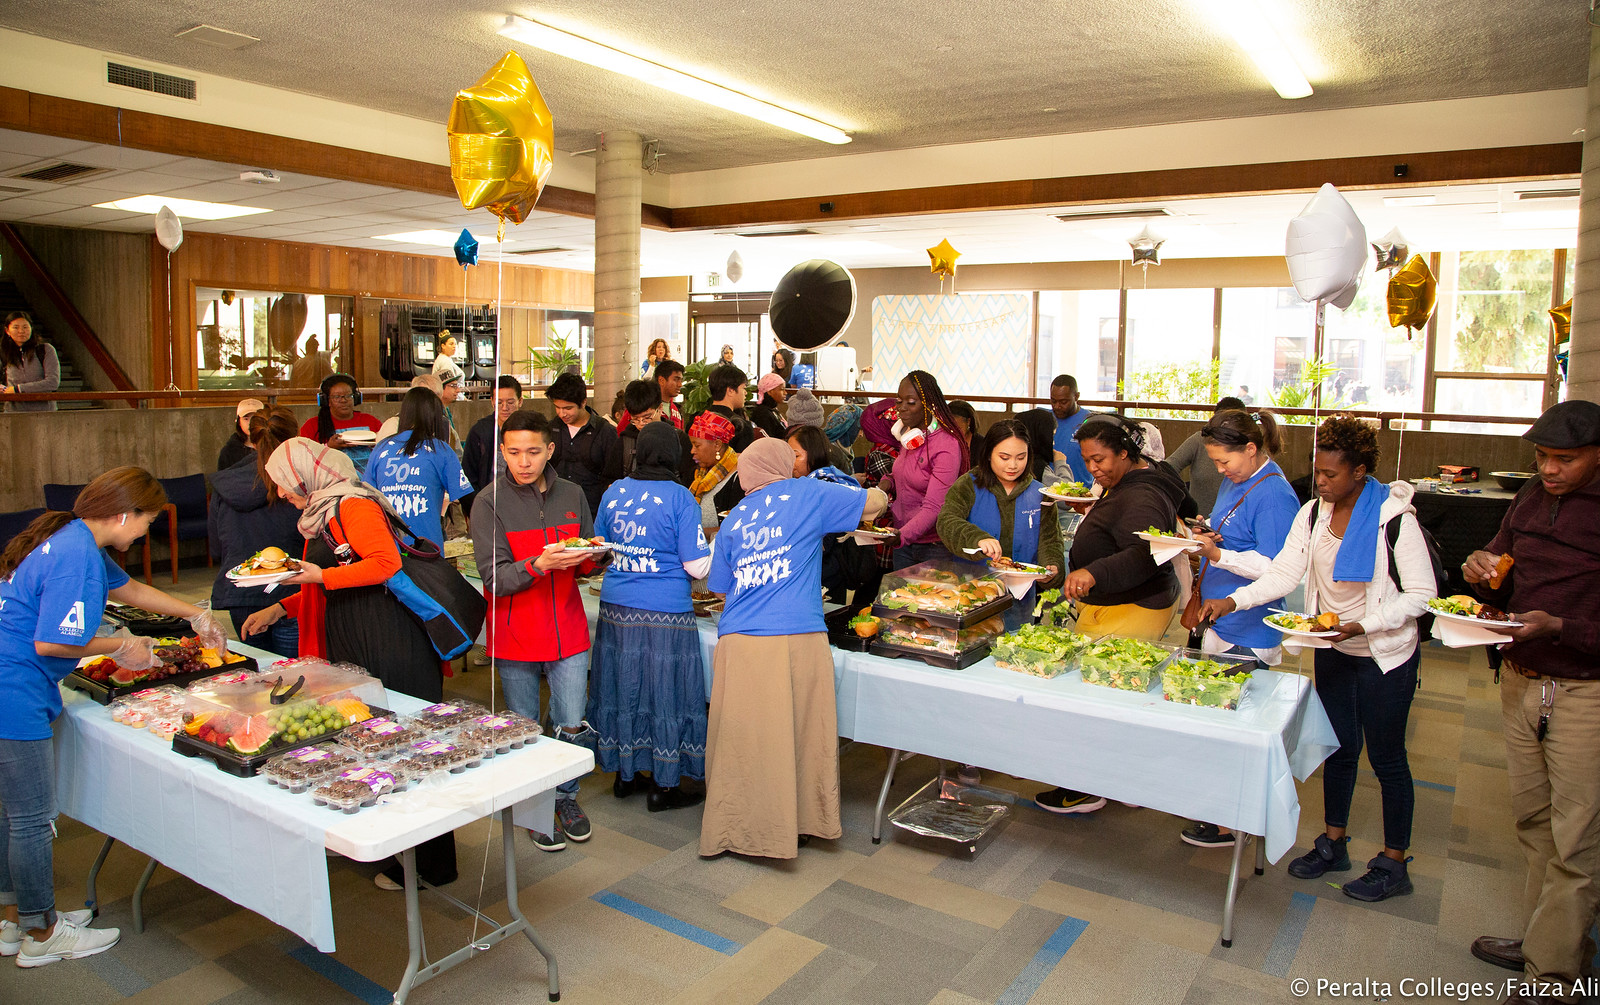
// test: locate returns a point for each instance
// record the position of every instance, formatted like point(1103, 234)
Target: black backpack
point(1441, 577)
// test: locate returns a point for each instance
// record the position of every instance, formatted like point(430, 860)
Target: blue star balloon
point(466, 249)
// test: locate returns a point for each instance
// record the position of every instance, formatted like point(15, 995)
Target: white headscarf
point(324, 476)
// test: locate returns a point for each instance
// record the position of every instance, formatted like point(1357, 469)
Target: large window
point(1169, 346)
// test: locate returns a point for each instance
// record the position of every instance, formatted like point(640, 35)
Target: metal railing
point(303, 395)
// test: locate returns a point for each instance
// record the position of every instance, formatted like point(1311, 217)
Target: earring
point(124, 521)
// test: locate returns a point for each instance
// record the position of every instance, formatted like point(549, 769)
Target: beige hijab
point(763, 462)
point(324, 476)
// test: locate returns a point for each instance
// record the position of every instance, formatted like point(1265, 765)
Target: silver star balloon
point(1146, 247)
point(1391, 250)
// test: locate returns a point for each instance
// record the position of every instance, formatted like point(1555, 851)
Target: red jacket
point(533, 616)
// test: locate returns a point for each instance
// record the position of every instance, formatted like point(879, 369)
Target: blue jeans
point(27, 808)
point(1363, 702)
point(281, 637)
point(1021, 611)
point(569, 695)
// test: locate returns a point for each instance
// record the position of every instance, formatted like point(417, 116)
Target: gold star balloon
point(943, 259)
point(1411, 294)
point(1561, 317)
point(502, 141)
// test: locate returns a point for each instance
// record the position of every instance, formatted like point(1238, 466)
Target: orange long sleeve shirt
point(363, 526)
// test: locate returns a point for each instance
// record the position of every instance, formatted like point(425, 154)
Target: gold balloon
point(1411, 294)
point(1561, 317)
point(502, 141)
point(943, 258)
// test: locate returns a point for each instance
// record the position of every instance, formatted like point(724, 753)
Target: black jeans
point(914, 554)
point(1364, 702)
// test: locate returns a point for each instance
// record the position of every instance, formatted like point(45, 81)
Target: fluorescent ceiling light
point(583, 50)
point(1247, 23)
point(435, 238)
point(188, 209)
point(1550, 219)
point(1410, 200)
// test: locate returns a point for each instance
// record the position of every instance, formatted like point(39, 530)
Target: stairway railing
point(63, 304)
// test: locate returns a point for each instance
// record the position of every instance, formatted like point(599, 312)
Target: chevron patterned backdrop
point(973, 344)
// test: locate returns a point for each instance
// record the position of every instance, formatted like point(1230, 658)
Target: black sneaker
point(549, 842)
point(1203, 835)
point(1384, 878)
point(1325, 856)
point(570, 819)
point(1068, 801)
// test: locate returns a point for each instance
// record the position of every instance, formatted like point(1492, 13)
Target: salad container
point(1209, 680)
point(1124, 664)
point(1038, 650)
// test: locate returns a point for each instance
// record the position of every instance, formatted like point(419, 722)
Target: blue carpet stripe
point(357, 984)
point(1027, 983)
point(1280, 957)
point(666, 922)
point(1437, 786)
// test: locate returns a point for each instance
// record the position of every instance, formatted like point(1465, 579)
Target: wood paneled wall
point(244, 263)
point(105, 277)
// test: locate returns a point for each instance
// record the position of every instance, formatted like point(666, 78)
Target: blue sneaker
point(1325, 856)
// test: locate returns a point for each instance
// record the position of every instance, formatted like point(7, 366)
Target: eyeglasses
point(341, 397)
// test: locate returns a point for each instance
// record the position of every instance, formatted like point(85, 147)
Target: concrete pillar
point(617, 188)
point(1583, 366)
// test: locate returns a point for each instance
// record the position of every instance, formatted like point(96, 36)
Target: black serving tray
point(139, 621)
point(840, 634)
point(943, 620)
point(243, 766)
point(106, 692)
point(960, 661)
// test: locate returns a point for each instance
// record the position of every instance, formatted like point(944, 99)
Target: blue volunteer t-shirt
point(1260, 523)
point(768, 558)
point(416, 486)
point(1067, 445)
point(57, 594)
point(653, 527)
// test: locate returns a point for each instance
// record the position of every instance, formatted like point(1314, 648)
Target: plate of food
point(358, 436)
point(1310, 626)
point(1471, 611)
point(1023, 570)
point(1063, 491)
point(1168, 539)
point(866, 530)
point(583, 545)
point(267, 566)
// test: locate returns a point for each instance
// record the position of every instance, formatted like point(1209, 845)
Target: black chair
point(12, 524)
point(61, 497)
point(192, 502)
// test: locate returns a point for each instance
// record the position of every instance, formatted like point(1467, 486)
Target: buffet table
point(1236, 769)
point(265, 849)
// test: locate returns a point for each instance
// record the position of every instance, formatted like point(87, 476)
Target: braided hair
point(933, 403)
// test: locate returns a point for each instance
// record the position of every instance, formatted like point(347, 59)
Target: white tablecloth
point(258, 845)
point(1236, 769)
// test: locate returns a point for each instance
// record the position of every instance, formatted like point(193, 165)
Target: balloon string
point(172, 365)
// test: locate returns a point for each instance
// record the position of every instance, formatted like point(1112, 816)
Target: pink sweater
point(921, 479)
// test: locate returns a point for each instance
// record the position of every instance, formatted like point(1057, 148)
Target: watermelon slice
point(252, 737)
point(122, 676)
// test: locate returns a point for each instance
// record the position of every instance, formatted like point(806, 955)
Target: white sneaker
point(67, 942)
point(11, 932)
point(480, 657)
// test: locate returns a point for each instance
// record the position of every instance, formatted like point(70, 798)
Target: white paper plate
point(1067, 499)
point(260, 579)
point(359, 435)
point(1468, 619)
point(1013, 574)
point(1187, 544)
point(1297, 632)
point(592, 550)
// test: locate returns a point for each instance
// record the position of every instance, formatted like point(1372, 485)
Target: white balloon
point(169, 229)
point(1326, 249)
point(735, 268)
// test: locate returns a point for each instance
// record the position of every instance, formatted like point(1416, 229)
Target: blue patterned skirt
point(647, 694)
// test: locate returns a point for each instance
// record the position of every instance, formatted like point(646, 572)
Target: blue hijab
point(1358, 551)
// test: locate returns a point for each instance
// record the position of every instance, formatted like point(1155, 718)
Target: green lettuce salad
point(1210, 683)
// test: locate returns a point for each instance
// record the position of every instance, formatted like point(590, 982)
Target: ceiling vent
point(798, 232)
point(1548, 193)
point(141, 79)
point(220, 38)
point(538, 251)
point(14, 188)
point(1101, 215)
point(58, 172)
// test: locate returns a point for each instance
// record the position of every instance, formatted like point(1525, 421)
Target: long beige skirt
point(772, 749)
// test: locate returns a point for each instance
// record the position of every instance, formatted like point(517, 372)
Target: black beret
point(1566, 425)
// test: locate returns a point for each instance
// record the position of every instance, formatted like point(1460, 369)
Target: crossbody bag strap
point(1226, 516)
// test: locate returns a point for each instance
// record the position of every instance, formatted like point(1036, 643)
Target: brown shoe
point(1505, 953)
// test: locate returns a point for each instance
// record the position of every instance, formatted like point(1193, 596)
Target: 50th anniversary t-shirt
point(768, 555)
